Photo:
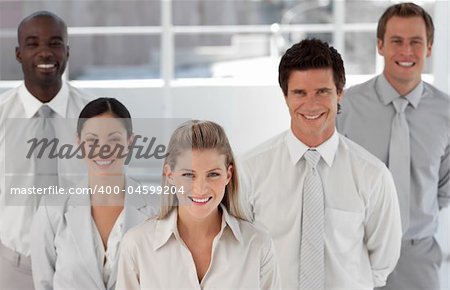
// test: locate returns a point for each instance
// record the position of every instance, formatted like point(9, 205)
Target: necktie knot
point(45, 112)
point(400, 104)
point(312, 157)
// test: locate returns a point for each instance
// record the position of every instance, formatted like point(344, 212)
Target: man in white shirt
point(42, 52)
point(356, 243)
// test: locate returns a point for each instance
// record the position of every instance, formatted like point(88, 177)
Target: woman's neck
point(192, 228)
point(107, 190)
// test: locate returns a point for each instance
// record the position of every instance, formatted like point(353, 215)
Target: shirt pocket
point(344, 230)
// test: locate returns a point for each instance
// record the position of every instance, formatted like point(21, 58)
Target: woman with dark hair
point(75, 243)
point(201, 239)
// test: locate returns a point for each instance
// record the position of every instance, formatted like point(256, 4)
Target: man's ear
point(340, 95)
point(380, 46)
point(429, 49)
point(18, 54)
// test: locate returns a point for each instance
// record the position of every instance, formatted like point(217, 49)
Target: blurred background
point(214, 59)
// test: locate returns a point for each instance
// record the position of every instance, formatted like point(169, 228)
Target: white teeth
point(107, 162)
point(45, 65)
point(406, 64)
point(312, 117)
point(200, 200)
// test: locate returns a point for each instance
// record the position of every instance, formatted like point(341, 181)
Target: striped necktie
point(312, 261)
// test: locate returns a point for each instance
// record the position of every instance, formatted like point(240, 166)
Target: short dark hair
point(311, 54)
point(39, 14)
point(406, 10)
point(102, 106)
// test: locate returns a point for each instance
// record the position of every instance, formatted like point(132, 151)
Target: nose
point(45, 51)
point(406, 48)
point(199, 186)
point(310, 100)
point(100, 148)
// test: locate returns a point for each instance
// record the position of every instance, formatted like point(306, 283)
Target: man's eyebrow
point(31, 37)
point(417, 38)
point(56, 37)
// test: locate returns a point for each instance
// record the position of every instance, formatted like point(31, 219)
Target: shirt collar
point(232, 223)
point(388, 94)
point(167, 227)
point(31, 104)
point(327, 149)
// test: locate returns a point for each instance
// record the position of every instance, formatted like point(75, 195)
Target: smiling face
point(203, 176)
point(405, 48)
point(312, 100)
point(42, 51)
point(106, 131)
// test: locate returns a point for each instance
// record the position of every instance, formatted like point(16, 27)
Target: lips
point(200, 200)
point(46, 67)
point(103, 163)
point(312, 116)
point(405, 63)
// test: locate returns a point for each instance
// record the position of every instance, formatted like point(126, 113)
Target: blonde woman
point(201, 239)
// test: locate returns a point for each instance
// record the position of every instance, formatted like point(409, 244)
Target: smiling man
point(330, 205)
point(405, 122)
point(42, 52)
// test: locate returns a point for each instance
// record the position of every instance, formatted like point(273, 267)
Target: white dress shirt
point(15, 216)
point(68, 253)
point(153, 256)
point(106, 259)
point(362, 219)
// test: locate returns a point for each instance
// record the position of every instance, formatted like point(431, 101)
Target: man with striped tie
point(330, 206)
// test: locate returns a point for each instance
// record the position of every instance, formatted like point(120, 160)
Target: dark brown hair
point(311, 54)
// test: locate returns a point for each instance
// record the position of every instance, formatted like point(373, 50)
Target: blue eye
point(214, 174)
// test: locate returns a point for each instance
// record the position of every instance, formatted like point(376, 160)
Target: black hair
point(103, 106)
point(39, 14)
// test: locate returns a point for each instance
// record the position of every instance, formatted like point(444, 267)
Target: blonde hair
point(202, 135)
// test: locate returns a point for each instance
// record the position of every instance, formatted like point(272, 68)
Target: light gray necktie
point(312, 261)
point(46, 167)
point(400, 158)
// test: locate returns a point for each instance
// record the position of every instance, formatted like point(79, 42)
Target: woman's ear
point(168, 173)
point(130, 141)
point(230, 172)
